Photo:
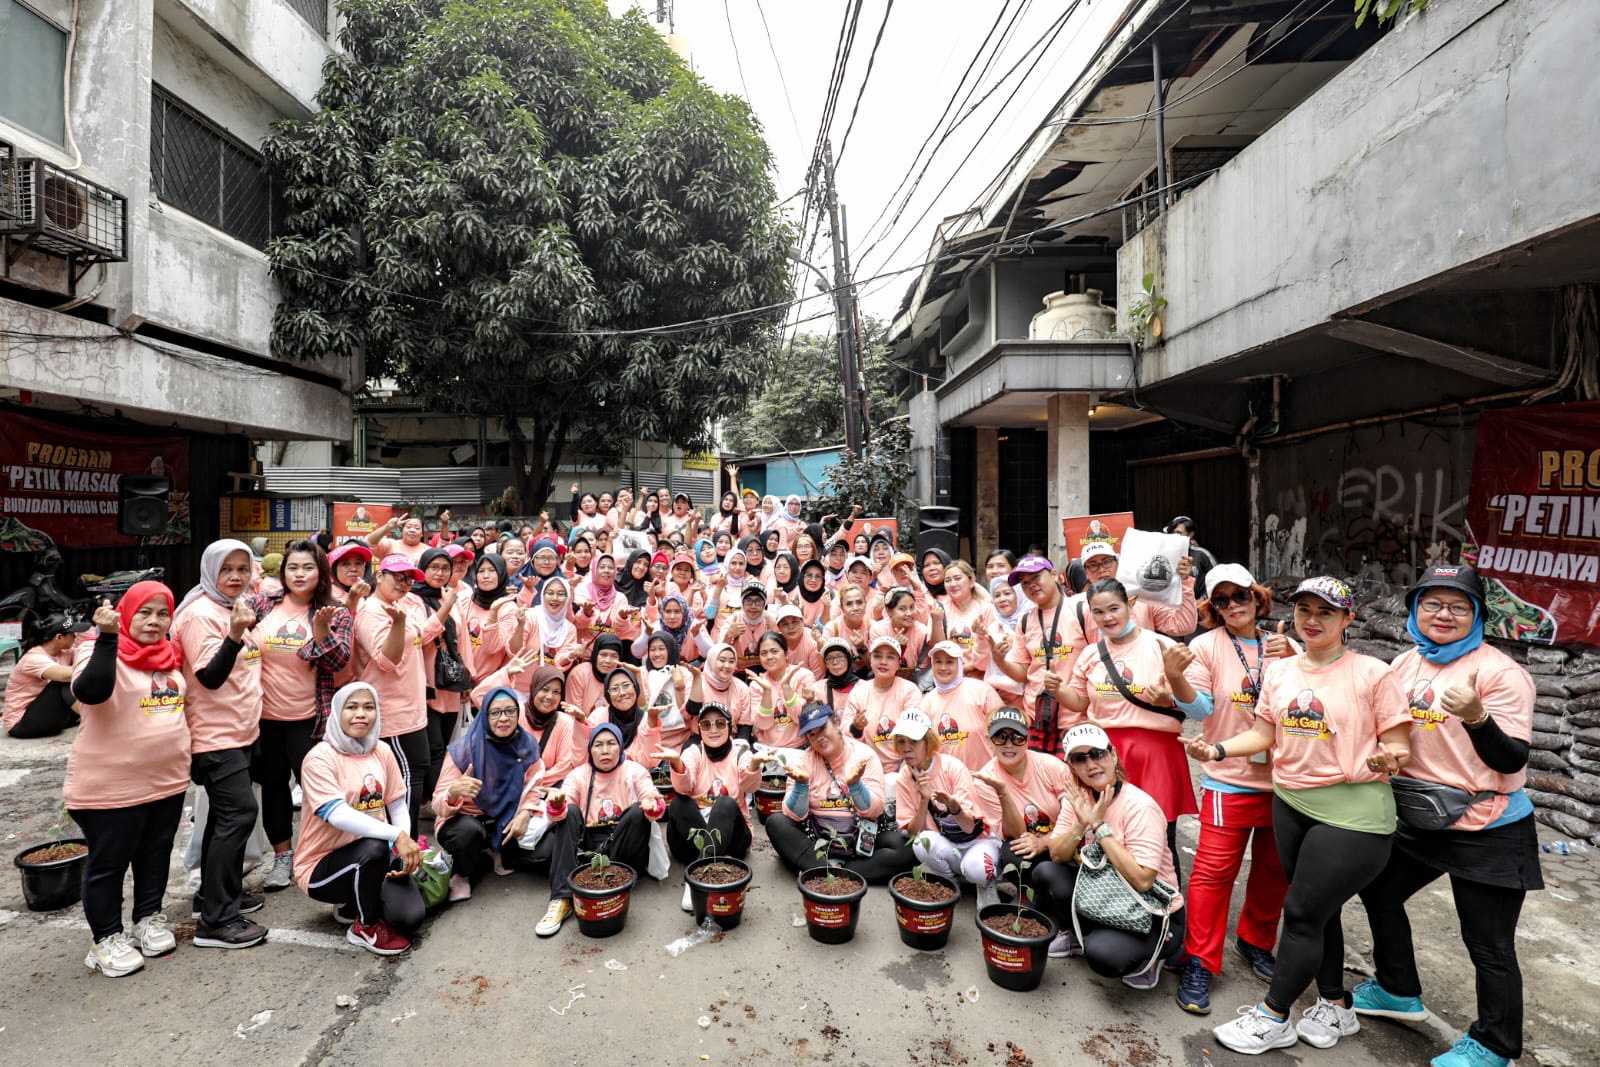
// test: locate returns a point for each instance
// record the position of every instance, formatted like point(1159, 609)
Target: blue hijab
point(1433, 651)
point(500, 763)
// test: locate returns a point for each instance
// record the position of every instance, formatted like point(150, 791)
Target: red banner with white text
point(1533, 522)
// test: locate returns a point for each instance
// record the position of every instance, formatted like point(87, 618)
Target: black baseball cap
point(58, 623)
point(1457, 576)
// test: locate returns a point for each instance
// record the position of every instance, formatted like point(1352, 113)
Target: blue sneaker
point(1194, 988)
point(1262, 962)
point(1370, 998)
point(1468, 1053)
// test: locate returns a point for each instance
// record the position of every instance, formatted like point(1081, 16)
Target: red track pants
point(1227, 821)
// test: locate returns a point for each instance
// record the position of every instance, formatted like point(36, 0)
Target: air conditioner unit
point(56, 213)
point(8, 181)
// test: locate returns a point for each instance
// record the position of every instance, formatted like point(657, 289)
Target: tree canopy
point(501, 200)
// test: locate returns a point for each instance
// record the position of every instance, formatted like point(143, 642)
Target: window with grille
point(201, 169)
point(314, 12)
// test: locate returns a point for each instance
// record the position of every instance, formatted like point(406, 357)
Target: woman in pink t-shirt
point(934, 807)
point(38, 699)
point(127, 773)
point(779, 691)
point(873, 707)
point(710, 783)
point(959, 707)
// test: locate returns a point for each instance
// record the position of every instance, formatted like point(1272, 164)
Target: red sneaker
point(378, 939)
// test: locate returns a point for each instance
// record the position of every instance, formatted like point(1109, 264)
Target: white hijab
point(211, 561)
point(333, 732)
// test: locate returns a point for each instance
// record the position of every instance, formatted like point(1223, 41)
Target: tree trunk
point(534, 461)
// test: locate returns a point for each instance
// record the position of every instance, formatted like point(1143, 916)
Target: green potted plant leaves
point(924, 907)
point(717, 884)
point(831, 894)
point(1016, 937)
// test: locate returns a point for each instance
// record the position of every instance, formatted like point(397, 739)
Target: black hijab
point(807, 595)
point(626, 721)
point(671, 643)
point(794, 571)
point(635, 590)
point(604, 641)
point(486, 597)
point(431, 597)
point(943, 557)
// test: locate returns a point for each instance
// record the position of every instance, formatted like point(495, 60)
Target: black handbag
point(1115, 678)
point(450, 675)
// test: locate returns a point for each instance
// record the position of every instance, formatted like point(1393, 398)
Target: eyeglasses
point(1084, 755)
point(1439, 607)
point(1010, 737)
point(1243, 596)
point(501, 713)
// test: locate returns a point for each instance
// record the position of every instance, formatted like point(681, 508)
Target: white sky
point(925, 48)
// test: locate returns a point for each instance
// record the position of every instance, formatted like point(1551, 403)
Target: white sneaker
point(1065, 944)
point(1324, 1023)
point(294, 796)
point(114, 956)
point(688, 898)
point(554, 916)
point(281, 876)
point(987, 895)
point(1255, 1032)
point(460, 888)
point(154, 935)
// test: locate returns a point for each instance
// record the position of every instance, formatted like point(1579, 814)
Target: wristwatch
point(1220, 752)
point(1103, 831)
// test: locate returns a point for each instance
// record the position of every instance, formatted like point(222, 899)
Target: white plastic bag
point(660, 864)
point(538, 826)
point(1148, 565)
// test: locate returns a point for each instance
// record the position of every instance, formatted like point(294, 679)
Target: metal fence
point(314, 12)
point(201, 169)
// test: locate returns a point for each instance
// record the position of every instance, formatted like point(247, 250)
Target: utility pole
point(844, 312)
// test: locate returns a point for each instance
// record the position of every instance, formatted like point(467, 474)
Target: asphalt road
point(479, 986)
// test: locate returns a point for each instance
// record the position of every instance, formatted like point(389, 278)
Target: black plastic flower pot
point(52, 884)
point(924, 925)
point(769, 798)
point(832, 918)
point(601, 912)
point(1015, 961)
point(722, 903)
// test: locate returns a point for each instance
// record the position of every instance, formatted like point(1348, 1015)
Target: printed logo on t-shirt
point(964, 638)
point(609, 812)
point(1419, 701)
point(1245, 699)
point(475, 632)
point(1036, 821)
point(1304, 717)
point(291, 637)
point(950, 731)
point(1107, 686)
point(370, 797)
point(833, 798)
point(718, 789)
point(251, 653)
point(164, 698)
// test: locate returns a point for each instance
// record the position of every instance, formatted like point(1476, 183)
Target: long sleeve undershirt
point(213, 674)
point(98, 678)
point(1499, 752)
point(341, 816)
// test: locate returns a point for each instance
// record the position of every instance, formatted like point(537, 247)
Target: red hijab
point(164, 655)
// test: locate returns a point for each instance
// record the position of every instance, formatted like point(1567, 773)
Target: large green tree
point(500, 201)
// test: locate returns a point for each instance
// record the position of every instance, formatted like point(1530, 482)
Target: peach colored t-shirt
point(132, 749)
point(1039, 793)
point(1176, 620)
point(911, 642)
point(532, 800)
point(705, 780)
point(1028, 647)
point(1327, 719)
point(483, 646)
point(881, 708)
point(402, 686)
point(1138, 660)
point(961, 717)
point(564, 747)
point(229, 716)
point(780, 725)
point(970, 628)
point(829, 798)
point(1140, 824)
point(646, 739)
point(1441, 751)
point(27, 681)
point(397, 546)
point(736, 698)
point(1216, 670)
point(950, 776)
point(368, 783)
point(613, 793)
point(288, 683)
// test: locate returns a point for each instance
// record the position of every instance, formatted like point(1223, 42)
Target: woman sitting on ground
point(38, 695)
point(710, 781)
point(355, 849)
point(934, 806)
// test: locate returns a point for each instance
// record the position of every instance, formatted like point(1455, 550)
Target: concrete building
point(135, 208)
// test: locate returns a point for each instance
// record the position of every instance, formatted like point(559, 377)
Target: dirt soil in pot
point(925, 891)
point(834, 885)
point(601, 878)
point(70, 851)
point(718, 873)
point(1004, 924)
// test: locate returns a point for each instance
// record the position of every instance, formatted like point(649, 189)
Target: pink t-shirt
point(829, 797)
point(28, 681)
point(744, 646)
point(646, 739)
point(1216, 670)
point(950, 776)
point(779, 726)
point(445, 808)
point(1441, 750)
point(483, 647)
point(613, 793)
point(961, 717)
point(566, 746)
point(1039, 793)
point(969, 628)
point(1140, 824)
point(1028, 647)
point(229, 716)
point(132, 749)
point(390, 546)
point(368, 783)
point(1139, 662)
point(288, 683)
point(705, 779)
point(402, 685)
point(880, 708)
point(1327, 719)
point(1176, 620)
point(736, 698)
point(911, 642)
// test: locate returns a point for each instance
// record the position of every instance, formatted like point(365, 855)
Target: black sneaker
point(249, 903)
point(345, 914)
point(1194, 988)
point(1263, 963)
point(241, 933)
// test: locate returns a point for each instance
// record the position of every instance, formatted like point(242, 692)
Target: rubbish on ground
point(971, 994)
point(795, 920)
point(257, 1021)
point(403, 1018)
point(574, 995)
point(706, 931)
point(1564, 848)
point(704, 1022)
point(345, 1000)
point(616, 965)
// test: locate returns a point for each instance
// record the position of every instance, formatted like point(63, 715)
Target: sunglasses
point(1084, 755)
point(1010, 737)
point(1242, 596)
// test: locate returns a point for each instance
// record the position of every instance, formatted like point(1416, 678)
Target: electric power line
point(737, 61)
point(872, 57)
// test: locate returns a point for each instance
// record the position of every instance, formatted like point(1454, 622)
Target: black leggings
point(796, 848)
point(724, 816)
point(357, 874)
point(139, 837)
point(629, 843)
point(441, 726)
point(1111, 953)
point(46, 714)
point(467, 839)
point(411, 752)
point(1326, 866)
point(1488, 917)
point(279, 753)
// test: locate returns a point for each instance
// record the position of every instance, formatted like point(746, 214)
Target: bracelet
point(1102, 832)
point(1475, 723)
point(1221, 752)
point(793, 702)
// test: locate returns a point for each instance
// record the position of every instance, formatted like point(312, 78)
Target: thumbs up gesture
point(1389, 758)
point(1278, 645)
point(1463, 702)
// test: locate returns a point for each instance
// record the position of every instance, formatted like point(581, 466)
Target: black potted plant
point(924, 907)
point(717, 884)
point(1016, 938)
point(52, 872)
point(831, 894)
point(600, 893)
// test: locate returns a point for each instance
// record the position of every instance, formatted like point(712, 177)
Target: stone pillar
point(986, 473)
point(1067, 460)
point(923, 409)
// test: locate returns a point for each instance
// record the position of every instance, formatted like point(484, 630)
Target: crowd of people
point(617, 683)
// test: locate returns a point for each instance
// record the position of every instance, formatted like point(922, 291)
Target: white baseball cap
point(912, 725)
point(1084, 735)
point(1232, 573)
point(1097, 548)
point(885, 641)
point(949, 648)
point(786, 611)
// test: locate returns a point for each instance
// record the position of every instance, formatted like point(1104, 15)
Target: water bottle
point(1564, 848)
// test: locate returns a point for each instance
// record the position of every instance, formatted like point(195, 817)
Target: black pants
point(357, 874)
point(1326, 866)
point(796, 848)
point(411, 752)
point(441, 726)
point(724, 816)
point(467, 838)
point(279, 753)
point(225, 776)
point(1110, 953)
point(46, 714)
point(628, 842)
point(139, 837)
point(1488, 917)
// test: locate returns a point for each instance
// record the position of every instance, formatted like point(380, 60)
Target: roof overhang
point(986, 392)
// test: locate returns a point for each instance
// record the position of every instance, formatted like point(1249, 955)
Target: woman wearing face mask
point(851, 623)
point(710, 782)
point(1018, 793)
point(356, 851)
point(874, 706)
point(306, 644)
point(744, 628)
point(1471, 722)
point(720, 685)
point(1102, 807)
point(347, 569)
point(969, 619)
point(127, 773)
point(486, 619)
point(605, 806)
point(838, 675)
point(813, 600)
point(222, 666)
point(959, 707)
point(1337, 725)
point(781, 690)
point(444, 706)
point(488, 792)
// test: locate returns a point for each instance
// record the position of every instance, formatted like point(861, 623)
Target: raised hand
point(1175, 659)
point(1277, 645)
point(1185, 567)
point(1463, 701)
point(359, 591)
point(242, 618)
point(993, 781)
point(322, 622)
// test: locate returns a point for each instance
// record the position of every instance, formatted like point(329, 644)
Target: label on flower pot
point(917, 921)
point(819, 913)
point(725, 903)
point(1018, 958)
point(592, 909)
